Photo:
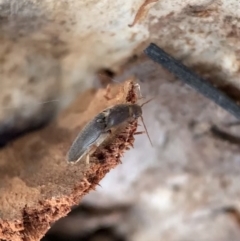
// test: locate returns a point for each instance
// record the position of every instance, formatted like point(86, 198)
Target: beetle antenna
point(146, 131)
point(147, 102)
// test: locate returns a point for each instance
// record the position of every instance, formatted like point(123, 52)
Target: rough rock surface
point(202, 34)
point(50, 50)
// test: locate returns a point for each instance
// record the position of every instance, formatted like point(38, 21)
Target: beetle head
point(136, 111)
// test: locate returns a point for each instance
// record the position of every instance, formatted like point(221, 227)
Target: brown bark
point(38, 186)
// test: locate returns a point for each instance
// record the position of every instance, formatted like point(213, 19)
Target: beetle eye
point(136, 115)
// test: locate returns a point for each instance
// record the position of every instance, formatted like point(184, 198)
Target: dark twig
point(189, 77)
point(224, 135)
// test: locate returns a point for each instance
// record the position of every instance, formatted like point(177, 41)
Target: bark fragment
point(38, 186)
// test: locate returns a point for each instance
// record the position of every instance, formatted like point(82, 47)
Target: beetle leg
point(94, 147)
point(87, 159)
point(107, 92)
point(139, 132)
point(136, 85)
point(90, 151)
